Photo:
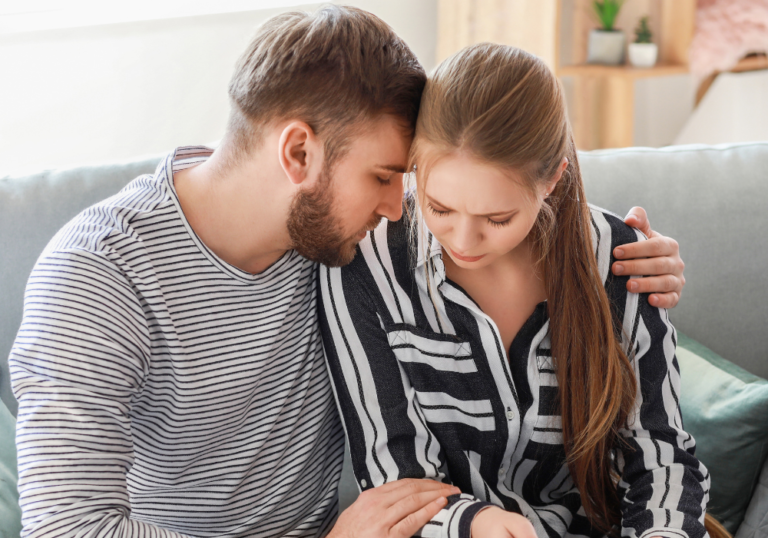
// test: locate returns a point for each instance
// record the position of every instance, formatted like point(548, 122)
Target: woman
point(484, 342)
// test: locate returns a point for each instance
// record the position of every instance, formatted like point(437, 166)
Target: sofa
point(712, 199)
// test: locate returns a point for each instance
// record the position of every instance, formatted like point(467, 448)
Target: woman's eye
point(437, 212)
point(499, 224)
point(384, 180)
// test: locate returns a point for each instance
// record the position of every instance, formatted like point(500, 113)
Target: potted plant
point(606, 44)
point(643, 52)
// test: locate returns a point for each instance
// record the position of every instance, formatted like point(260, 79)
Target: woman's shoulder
point(608, 232)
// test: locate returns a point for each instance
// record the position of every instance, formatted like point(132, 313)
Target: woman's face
point(479, 212)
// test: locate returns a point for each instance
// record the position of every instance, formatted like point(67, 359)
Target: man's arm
point(78, 361)
point(657, 259)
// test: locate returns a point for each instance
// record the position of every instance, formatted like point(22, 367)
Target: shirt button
point(364, 483)
point(510, 414)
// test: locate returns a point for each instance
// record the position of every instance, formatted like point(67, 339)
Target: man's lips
point(465, 258)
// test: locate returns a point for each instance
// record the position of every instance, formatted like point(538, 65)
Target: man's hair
point(333, 69)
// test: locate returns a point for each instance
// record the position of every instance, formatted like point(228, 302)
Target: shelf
point(597, 70)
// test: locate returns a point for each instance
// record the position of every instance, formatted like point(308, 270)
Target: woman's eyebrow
point(487, 215)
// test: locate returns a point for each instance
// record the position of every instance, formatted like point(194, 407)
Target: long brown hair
point(505, 107)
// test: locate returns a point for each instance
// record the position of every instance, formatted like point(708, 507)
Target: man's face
point(327, 222)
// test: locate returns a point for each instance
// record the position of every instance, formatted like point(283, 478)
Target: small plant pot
point(643, 54)
point(605, 47)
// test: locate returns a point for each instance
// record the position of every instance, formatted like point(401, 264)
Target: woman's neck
point(507, 290)
point(517, 263)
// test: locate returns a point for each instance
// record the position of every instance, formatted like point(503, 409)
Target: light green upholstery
point(10, 514)
point(725, 408)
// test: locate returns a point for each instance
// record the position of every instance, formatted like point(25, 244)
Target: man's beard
point(314, 230)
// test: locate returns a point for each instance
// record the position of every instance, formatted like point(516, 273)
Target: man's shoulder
point(102, 239)
point(114, 222)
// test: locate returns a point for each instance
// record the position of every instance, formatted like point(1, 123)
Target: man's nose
point(391, 204)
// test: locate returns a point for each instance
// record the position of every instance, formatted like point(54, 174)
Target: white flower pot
point(605, 47)
point(643, 54)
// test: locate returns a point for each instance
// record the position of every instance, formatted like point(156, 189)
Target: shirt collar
point(429, 249)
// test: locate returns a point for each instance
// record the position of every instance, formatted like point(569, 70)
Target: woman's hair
point(504, 107)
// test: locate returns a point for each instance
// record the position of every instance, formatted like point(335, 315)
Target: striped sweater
point(163, 392)
point(426, 391)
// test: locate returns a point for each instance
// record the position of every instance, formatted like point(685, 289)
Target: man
point(169, 368)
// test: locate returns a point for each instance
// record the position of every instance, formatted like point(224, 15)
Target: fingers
point(655, 284)
point(393, 492)
point(411, 523)
point(415, 501)
point(413, 509)
point(650, 267)
point(664, 300)
point(638, 218)
point(654, 247)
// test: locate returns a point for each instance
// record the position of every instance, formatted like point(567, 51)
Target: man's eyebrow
point(488, 215)
point(394, 168)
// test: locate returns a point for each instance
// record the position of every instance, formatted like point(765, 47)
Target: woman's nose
point(466, 237)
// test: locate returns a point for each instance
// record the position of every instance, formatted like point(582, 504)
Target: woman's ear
point(559, 174)
point(300, 153)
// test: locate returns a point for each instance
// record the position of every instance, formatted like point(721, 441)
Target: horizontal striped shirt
point(427, 391)
point(163, 392)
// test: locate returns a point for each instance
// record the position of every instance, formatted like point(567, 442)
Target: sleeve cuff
point(664, 533)
point(458, 523)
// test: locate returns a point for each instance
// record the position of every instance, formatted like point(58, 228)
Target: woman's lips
point(465, 258)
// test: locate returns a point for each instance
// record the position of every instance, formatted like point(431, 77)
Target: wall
point(735, 109)
point(112, 92)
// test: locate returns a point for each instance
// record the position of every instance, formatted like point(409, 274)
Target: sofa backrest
point(714, 201)
point(32, 209)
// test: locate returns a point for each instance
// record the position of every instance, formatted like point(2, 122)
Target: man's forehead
point(383, 144)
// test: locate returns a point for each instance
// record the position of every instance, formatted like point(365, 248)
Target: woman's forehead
point(463, 183)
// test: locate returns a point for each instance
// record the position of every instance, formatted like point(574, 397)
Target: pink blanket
point(726, 31)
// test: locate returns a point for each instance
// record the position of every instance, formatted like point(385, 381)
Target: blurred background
point(87, 81)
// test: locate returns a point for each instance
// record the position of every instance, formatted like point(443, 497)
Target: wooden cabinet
point(601, 98)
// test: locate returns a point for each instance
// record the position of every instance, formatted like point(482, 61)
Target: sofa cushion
point(725, 408)
point(10, 513)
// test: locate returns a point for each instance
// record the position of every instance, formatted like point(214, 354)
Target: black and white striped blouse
point(426, 390)
point(163, 392)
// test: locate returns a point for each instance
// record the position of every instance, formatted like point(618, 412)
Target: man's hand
point(662, 268)
point(497, 523)
point(394, 510)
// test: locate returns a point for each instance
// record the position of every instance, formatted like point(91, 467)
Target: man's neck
point(238, 211)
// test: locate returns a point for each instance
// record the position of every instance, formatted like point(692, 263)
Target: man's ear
point(300, 153)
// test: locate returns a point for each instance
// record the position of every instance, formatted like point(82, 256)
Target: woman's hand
point(658, 259)
point(395, 510)
point(497, 523)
